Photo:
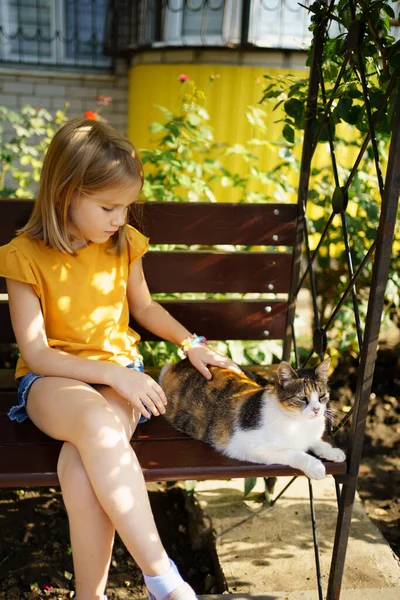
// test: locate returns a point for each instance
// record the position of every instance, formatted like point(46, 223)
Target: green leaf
point(194, 119)
point(343, 107)
point(340, 47)
point(249, 484)
point(353, 115)
point(190, 485)
point(156, 127)
point(288, 134)
point(388, 10)
point(294, 108)
point(352, 91)
point(373, 212)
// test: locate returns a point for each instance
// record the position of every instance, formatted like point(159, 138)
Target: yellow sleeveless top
point(83, 297)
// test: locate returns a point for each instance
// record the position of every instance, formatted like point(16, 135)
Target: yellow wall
point(227, 98)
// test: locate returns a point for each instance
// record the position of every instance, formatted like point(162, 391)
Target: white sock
point(162, 585)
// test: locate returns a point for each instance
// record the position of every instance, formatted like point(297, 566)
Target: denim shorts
point(18, 413)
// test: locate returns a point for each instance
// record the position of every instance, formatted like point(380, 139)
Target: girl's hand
point(140, 390)
point(200, 356)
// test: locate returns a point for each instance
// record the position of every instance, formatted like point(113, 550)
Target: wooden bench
point(29, 458)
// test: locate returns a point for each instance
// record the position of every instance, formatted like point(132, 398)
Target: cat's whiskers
point(333, 418)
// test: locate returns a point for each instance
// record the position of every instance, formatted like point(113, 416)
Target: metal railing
point(203, 23)
point(135, 25)
point(87, 34)
point(61, 33)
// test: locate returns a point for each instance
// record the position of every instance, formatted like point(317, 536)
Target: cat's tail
point(164, 369)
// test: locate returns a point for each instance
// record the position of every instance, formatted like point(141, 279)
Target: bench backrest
point(270, 229)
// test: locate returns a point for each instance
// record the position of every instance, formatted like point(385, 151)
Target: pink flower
point(182, 77)
point(104, 100)
point(91, 114)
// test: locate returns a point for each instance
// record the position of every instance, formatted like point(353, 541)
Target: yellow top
point(83, 297)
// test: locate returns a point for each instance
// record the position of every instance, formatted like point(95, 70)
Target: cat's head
point(304, 391)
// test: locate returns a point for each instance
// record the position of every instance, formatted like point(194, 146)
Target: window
point(279, 24)
point(199, 23)
point(58, 32)
point(285, 23)
point(272, 23)
point(189, 22)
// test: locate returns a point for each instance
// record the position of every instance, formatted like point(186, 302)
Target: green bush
point(363, 37)
point(22, 155)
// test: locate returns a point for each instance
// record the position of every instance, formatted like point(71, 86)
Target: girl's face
point(97, 217)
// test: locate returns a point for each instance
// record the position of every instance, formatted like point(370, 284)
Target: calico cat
point(249, 421)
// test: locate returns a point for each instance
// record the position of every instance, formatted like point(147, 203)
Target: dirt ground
point(35, 557)
point(379, 475)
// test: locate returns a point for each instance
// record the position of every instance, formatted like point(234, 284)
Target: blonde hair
point(84, 157)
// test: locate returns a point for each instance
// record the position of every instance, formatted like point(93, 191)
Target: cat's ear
point(322, 371)
point(285, 373)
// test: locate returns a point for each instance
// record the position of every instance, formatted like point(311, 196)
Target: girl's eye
point(107, 209)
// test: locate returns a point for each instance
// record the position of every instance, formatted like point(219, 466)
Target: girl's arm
point(30, 333)
point(153, 317)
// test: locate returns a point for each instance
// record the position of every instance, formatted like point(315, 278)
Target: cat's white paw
point(315, 469)
point(336, 455)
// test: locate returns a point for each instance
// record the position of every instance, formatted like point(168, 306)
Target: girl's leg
point(91, 531)
point(75, 412)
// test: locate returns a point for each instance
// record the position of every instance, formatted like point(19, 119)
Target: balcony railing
point(89, 34)
point(229, 23)
point(62, 33)
point(141, 24)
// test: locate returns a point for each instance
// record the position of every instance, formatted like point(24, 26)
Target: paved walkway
point(268, 552)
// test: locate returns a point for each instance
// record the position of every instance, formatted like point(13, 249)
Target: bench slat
point(227, 223)
point(7, 400)
point(220, 320)
point(218, 272)
point(180, 459)
point(191, 459)
point(228, 320)
point(190, 223)
point(14, 214)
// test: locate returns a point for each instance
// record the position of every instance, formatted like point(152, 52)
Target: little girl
point(74, 274)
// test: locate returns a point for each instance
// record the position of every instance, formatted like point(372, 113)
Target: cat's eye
point(323, 398)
